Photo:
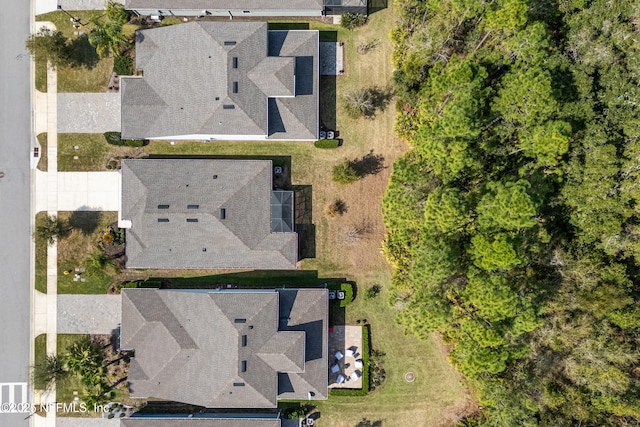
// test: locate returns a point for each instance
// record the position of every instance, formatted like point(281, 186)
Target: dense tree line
point(514, 220)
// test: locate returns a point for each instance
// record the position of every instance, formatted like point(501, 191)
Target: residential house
point(226, 348)
point(204, 213)
point(200, 421)
point(244, 8)
point(222, 81)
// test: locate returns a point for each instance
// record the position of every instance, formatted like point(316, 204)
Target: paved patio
point(331, 59)
point(343, 339)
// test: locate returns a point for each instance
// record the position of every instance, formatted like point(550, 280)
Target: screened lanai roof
point(281, 211)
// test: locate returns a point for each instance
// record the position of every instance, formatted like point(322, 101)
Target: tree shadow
point(85, 221)
point(369, 164)
point(82, 54)
point(381, 96)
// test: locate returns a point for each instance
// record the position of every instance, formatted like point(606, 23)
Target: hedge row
point(327, 143)
point(115, 138)
point(366, 352)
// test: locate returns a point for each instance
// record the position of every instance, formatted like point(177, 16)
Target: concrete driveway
point(89, 314)
point(88, 112)
point(78, 191)
point(86, 422)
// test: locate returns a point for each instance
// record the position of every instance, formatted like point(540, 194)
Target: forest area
point(514, 219)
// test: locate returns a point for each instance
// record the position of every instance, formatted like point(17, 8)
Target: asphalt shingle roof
point(183, 217)
point(199, 422)
point(225, 349)
point(192, 86)
point(222, 4)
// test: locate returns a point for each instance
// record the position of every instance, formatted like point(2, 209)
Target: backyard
point(346, 245)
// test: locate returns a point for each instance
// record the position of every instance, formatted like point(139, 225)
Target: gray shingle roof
point(190, 85)
point(225, 349)
point(176, 211)
point(306, 310)
point(199, 422)
point(222, 4)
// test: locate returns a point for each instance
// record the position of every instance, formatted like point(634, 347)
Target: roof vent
point(243, 366)
point(239, 320)
point(163, 219)
point(235, 87)
point(228, 107)
point(215, 176)
point(238, 384)
point(223, 213)
point(217, 98)
point(163, 206)
point(229, 43)
point(244, 340)
point(235, 62)
point(192, 219)
point(193, 206)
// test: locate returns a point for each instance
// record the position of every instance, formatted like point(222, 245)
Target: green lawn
point(41, 76)
point(74, 252)
point(42, 163)
point(92, 73)
point(92, 152)
point(40, 352)
point(41, 257)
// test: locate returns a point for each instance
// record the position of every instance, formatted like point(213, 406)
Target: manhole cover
point(410, 377)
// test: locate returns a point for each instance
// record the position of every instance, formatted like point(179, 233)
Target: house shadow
point(328, 104)
point(281, 180)
point(377, 5)
point(303, 214)
point(274, 26)
point(250, 279)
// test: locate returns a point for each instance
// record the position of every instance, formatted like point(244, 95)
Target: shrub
point(327, 143)
point(345, 172)
point(352, 20)
point(372, 292)
point(134, 142)
point(337, 207)
point(113, 138)
point(119, 236)
point(123, 65)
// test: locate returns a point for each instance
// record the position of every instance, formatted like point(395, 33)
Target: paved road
point(15, 188)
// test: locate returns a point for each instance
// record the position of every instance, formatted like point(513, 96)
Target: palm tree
point(84, 357)
point(48, 371)
point(52, 229)
point(107, 37)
